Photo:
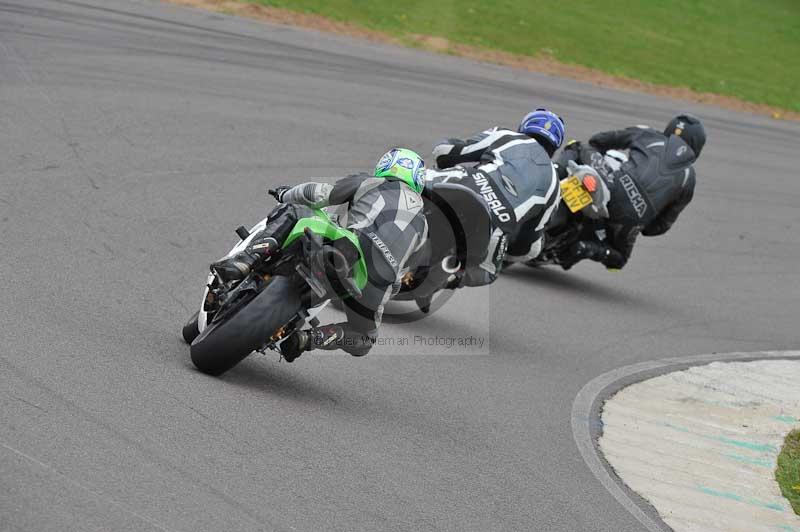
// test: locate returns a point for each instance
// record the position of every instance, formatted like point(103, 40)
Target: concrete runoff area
point(135, 136)
point(701, 444)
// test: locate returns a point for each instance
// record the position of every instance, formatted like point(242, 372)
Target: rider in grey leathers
point(384, 210)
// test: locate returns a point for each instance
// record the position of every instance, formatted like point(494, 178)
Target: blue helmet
point(546, 127)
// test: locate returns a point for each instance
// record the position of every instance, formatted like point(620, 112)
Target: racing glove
point(278, 192)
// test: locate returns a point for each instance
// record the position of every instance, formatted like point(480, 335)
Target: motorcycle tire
point(190, 330)
point(223, 345)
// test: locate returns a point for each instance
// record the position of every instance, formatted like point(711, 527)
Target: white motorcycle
point(313, 261)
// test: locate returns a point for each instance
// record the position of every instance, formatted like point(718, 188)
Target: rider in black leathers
point(648, 192)
point(515, 177)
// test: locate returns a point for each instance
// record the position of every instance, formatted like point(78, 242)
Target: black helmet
point(690, 129)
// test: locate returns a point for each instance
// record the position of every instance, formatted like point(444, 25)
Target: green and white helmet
point(404, 165)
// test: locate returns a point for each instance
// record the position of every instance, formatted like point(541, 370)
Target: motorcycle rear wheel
point(223, 345)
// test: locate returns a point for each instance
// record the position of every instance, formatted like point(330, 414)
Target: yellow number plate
point(574, 195)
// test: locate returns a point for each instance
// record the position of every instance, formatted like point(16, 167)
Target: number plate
point(574, 195)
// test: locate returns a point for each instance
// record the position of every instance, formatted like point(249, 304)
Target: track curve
point(135, 136)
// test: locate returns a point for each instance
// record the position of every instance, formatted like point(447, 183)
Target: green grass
point(788, 471)
point(749, 49)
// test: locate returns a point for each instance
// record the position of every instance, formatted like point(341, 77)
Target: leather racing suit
point(388, 219)
point(514, 176)
point(648, 191)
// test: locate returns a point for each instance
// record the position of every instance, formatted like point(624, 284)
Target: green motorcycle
point(315, 262)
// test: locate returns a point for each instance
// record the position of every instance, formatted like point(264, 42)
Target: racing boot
point(596, 251)
point(239, 266)
point(582, 249)
point(326, 337)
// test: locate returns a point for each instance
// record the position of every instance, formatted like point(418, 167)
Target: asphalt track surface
point(136, 136)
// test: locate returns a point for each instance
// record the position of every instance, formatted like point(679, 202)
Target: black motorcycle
point(580, 215)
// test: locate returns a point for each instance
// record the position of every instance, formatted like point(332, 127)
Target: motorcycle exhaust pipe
point(451, 264)
point(242, 232)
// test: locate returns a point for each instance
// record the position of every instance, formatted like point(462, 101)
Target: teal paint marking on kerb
point(722, 494)
point(738, 498)
point(787, 419)
point(761, 462)
point(760, 447)
point(679, 429)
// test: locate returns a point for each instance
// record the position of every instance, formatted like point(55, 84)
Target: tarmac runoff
point(700, 445)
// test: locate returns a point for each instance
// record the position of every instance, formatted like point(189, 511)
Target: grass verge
point(788, 471)
point(738, 54)
point(748, 49)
